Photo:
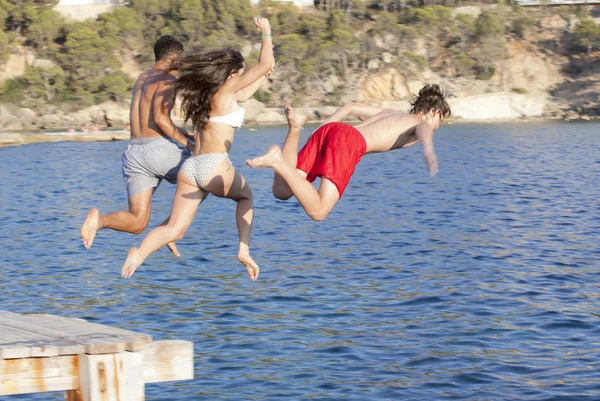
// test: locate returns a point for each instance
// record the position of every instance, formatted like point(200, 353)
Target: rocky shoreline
point(108, 121)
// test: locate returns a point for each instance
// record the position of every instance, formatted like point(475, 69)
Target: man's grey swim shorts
point(146, 161)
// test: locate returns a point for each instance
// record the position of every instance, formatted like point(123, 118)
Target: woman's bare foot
point(294, 121)
point(131, 264)
point(173, 248)
point(269, 159)
point(90, 227)
point(251, 266)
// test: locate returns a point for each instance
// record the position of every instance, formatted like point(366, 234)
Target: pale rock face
point(115, 114)
point(97, 114)
point(373, 64)
point(15, 65)
point(387, 57)
point(497, 106)
point(26, 116)
point(271, 117)
point(51, 121)
point(5, 115)
point(390, 85)
point(43, 63)
point(470, 10)
point(253, 108)
point(553, 22)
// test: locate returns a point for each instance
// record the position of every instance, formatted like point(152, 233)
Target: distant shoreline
point(26, 137)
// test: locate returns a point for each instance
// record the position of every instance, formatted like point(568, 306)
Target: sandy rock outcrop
point(28, 117)
point(271, 116)
point(254, 109)
point(114, 114)
point(501, 105)
point(388, 85)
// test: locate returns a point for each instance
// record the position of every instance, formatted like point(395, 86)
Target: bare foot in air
point(294, 121)
point(173, 248)
point(131, 263)
point(269, 159)
point(90, 227)
point(251, 266)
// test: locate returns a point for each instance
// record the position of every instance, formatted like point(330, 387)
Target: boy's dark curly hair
point(430, 98)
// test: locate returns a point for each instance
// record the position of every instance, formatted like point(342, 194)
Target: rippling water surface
point(479, 284)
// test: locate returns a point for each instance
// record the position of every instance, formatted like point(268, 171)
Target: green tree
point(587, 35)
point(489, 34)
point(45, 84)
point(464, 26)
point(292, 49)
point(122, 24)
point(21, 13)
point(116, 87)
point(44, 30)
point(87, 59)
point(345, 45)
point(193, 21)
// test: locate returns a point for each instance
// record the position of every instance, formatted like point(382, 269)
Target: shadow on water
point(479, 284)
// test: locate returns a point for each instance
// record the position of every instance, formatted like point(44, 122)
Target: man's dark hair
point(165, 46)
point(431, 98)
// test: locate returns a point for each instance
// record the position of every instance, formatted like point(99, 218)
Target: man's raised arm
point(354, 109)
point(161, 107)
point(424, 132)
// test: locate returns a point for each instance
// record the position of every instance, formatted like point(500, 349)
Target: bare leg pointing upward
point(281, 190)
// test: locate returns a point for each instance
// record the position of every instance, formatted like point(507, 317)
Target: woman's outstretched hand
point(262, 24)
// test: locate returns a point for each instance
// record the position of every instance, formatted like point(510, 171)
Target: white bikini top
point(235, 119)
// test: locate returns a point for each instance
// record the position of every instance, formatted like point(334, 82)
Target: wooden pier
point(90, 362)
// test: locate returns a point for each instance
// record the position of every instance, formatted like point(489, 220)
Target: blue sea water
point(482, 283)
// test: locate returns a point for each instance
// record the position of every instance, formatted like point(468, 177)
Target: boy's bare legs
point(185, 204)
point(226, 182)
point(289, 151)
point(133, 221)
point(316, 204)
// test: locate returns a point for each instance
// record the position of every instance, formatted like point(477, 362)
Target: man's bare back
point(147, 86)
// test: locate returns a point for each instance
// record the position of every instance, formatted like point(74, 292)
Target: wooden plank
point(111, 377)
point(36, 375)
point(18, 343)
point(168, 361)
point(72, 331)
point(133, 341)
point(160, 361)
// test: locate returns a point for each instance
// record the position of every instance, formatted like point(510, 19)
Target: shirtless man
point(152, 153)
point(335, 148)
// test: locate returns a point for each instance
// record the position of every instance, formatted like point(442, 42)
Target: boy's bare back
point(389, 130)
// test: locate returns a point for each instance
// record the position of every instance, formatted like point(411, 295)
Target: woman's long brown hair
point(200, 77)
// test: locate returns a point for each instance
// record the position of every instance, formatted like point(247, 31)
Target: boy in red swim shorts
point(334, 149)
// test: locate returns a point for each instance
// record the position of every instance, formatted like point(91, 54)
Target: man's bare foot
point(251, 266)
point(269, 159)
point(90, 227)
point(173, 248)
point(294, 121)
point(131, 264)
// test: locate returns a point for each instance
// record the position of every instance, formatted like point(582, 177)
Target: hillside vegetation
point(327, 54)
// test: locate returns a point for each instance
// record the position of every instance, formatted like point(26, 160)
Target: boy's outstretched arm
point(424, 133)
point(354, 109)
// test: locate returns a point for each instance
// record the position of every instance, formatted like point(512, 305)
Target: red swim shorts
point(333, 151)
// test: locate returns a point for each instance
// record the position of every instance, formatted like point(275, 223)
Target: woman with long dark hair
point(210, 86)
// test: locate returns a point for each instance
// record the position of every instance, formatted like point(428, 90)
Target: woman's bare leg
point(226, 182)
point(185, 204)
point(289, 151)
point(316, 204)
